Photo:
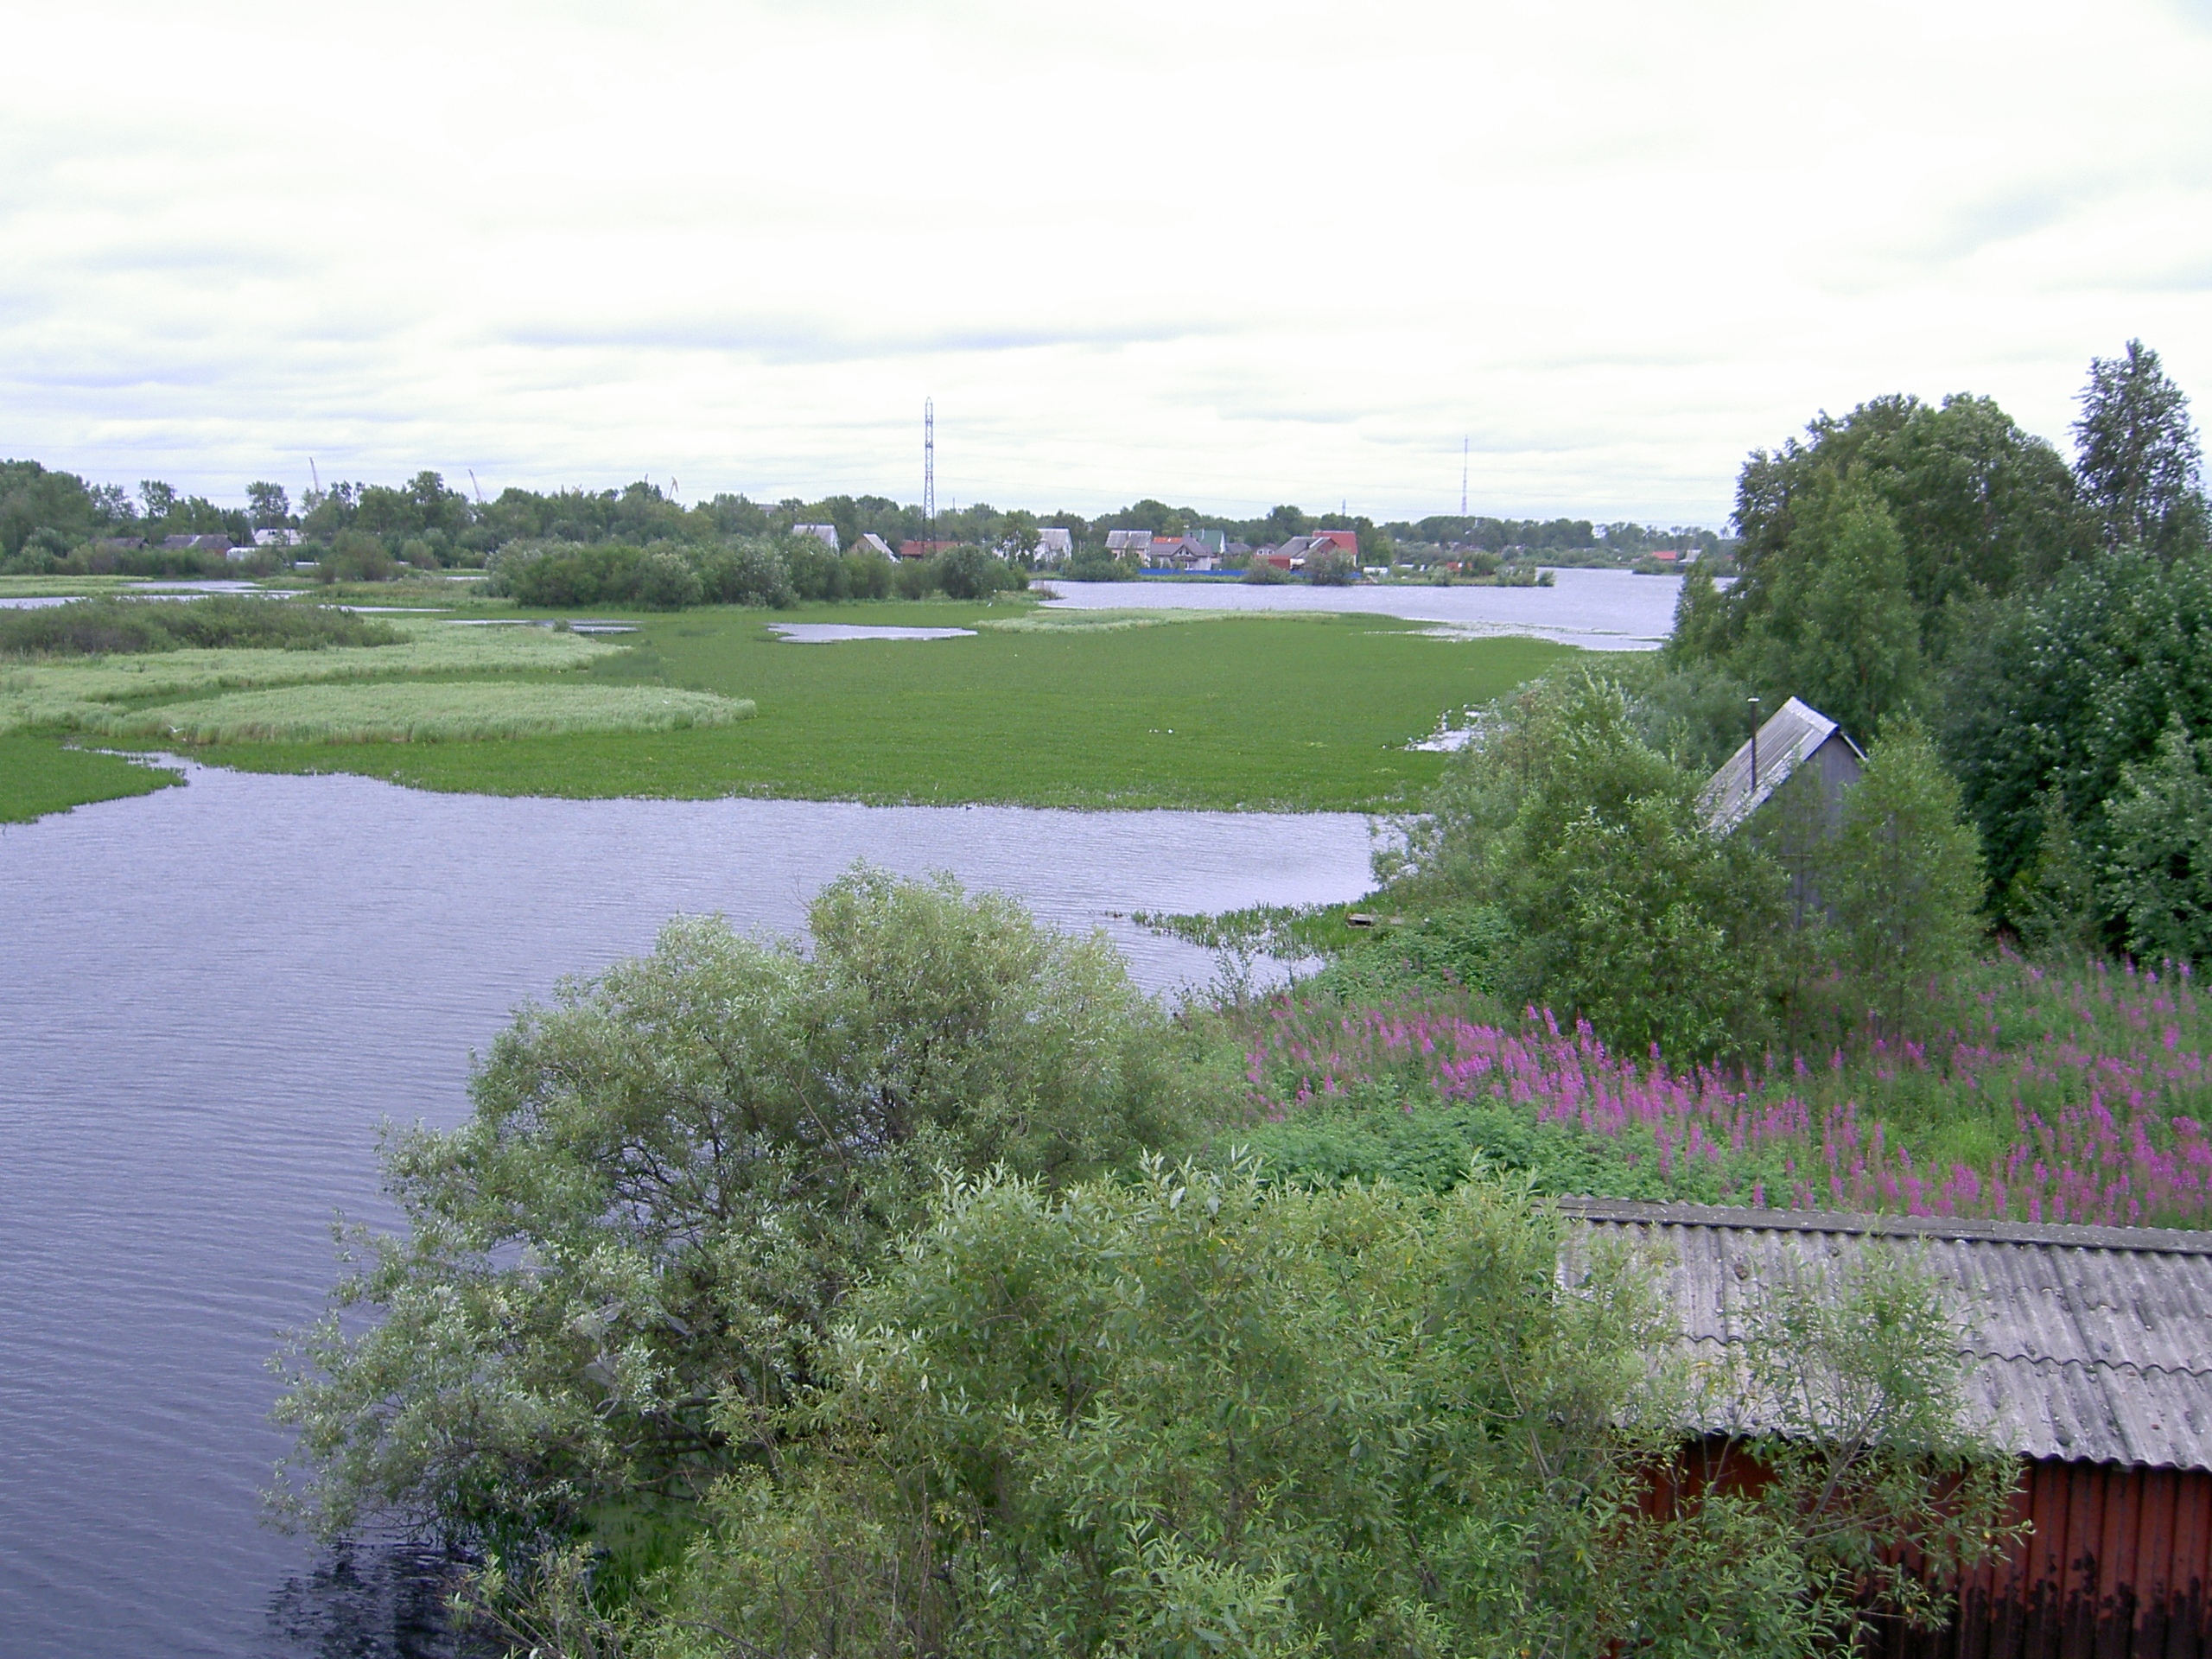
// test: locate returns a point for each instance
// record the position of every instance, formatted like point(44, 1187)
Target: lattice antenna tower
point(929, 468)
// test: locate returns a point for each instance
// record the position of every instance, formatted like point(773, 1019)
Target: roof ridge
point(2143, 1240)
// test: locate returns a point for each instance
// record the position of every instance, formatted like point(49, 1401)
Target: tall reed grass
point(81, 694)
point(431, 711)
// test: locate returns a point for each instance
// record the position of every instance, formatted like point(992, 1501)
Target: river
point(1597, 610)
point(212, 995)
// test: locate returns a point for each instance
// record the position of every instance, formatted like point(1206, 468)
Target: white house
point(1054, 544)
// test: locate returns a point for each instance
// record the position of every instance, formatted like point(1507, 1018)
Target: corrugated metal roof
point(2090, 1344)
point(1790, 734)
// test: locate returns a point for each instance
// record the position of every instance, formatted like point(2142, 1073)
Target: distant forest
point(53, 521)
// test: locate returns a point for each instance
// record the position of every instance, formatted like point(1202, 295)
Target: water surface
point(212, 994)
point(1597, 610)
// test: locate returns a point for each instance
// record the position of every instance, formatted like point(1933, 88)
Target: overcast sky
point(1223, 254)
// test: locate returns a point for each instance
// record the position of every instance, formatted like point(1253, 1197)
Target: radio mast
point(1463, 478)
point(929, 469)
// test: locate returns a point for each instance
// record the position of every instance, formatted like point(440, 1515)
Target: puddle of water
point(216, 992)
point(587, 627)
point(822, 634)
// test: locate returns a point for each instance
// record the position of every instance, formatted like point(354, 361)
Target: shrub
point(1332, 567)
point(664, 580)
point(817, 574)
point(100, 626)
point(867, 574)
point(356, 555)
point(747, 571)
point(1096, 564)
point(973, 573)
point(566, 574)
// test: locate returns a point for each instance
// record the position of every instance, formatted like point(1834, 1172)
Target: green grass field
point(1294, 712)
point(38, 775)
point(1291, 713)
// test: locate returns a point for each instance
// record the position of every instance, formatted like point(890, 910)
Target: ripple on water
point(214, 994)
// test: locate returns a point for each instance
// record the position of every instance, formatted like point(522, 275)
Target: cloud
point(1231, 253)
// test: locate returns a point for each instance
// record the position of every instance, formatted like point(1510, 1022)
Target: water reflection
point(386, 1601)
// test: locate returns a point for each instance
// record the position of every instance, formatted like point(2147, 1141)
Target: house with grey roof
point(825, 534)
point(1055, 546)
point(1795, 738)
point(2087, 1355)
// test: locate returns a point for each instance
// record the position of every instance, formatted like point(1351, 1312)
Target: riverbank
point(39, 775)
point(1308, 712)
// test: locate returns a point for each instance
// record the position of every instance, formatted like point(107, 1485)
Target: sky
point(1226, 255)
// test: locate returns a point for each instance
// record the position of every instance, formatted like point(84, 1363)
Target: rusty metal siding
point(2117, 1565)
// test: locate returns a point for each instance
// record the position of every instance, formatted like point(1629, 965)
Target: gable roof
point(2083, 1344)
point(1789, 737)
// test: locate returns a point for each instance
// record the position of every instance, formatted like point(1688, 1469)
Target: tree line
point(56, 523)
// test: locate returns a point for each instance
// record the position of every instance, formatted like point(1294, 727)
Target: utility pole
point(929, 469)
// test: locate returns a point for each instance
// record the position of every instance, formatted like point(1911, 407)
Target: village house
point(869, 541)
point(826, 534)
point(914, 552)
point(1294, 553)
point(1119, 542)
point(2087, 1357)
point(1055, 546)
point(1184, 552)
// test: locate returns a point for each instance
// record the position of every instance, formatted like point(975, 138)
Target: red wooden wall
point(2118, 1565)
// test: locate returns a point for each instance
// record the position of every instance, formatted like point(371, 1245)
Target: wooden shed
point(1795, 737)
point(2089, 1354)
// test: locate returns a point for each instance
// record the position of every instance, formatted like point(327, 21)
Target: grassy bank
point(1297, 713)
point(40, 775)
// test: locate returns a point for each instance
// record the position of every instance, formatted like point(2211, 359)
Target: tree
point(268, 504)
point(1839, 628)
point(669, 1178)
point(2140, 467)
point(2063, 690)
point(1624, 909)
point(49, 507)
point(160, 498)
point(1980, 508)
point(2159, 875)
point(1018, 536)
point(1903, 875)
point(1190, 1415)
